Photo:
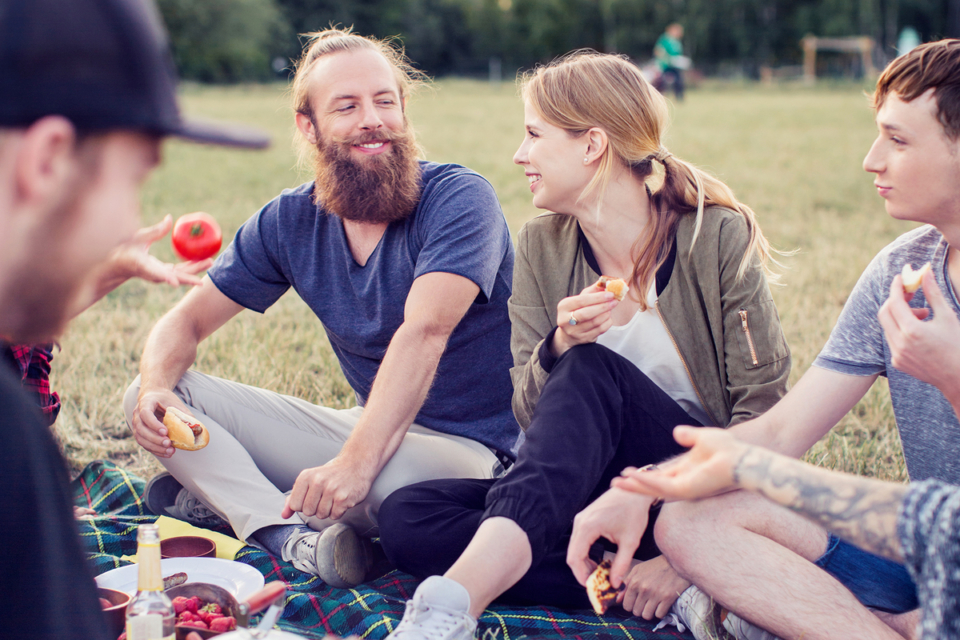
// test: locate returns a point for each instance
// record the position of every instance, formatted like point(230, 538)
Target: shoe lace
point(194, 511)
point(421, 620)
point(303, 550)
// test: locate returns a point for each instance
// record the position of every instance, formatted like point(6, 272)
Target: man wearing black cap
point(87, 92)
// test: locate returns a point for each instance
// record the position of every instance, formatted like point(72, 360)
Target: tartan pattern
point(33, 361)
point(314, 609)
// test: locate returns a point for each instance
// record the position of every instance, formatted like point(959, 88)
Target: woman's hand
point(651, 589)
point(590, 311)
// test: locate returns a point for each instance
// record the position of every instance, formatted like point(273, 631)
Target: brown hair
point(586, 89)
point(336, 40)
point(934, 65)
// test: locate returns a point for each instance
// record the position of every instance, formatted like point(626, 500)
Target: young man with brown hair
point(780, 571)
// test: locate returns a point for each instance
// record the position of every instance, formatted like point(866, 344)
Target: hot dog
point(185, 431)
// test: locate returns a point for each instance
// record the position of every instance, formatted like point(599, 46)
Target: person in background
point(88, 94)
point(668, 51)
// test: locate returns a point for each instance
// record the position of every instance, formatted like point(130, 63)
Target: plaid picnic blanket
point(314, 609)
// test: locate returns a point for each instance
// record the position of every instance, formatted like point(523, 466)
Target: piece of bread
point(185, 431)
point(911, 278)
point(599, 590)
point(616, 286)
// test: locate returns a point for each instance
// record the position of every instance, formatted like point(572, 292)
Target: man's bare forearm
point(401, 386)
point(860, 510)
point(169, 351)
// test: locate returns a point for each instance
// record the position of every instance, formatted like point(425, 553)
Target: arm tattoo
point(860, 510)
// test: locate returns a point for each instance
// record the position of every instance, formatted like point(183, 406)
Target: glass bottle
point(150, 614)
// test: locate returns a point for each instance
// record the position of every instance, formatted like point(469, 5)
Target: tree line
point(243, 40)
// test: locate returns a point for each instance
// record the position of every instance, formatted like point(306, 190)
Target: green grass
point(792, 154)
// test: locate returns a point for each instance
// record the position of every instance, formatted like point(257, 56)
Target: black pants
point(596, 415)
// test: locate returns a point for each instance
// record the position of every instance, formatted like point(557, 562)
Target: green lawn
point(794, 155)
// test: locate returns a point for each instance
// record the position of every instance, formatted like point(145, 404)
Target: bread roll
point(599, 590)
point(185, 431)
point(616, 286)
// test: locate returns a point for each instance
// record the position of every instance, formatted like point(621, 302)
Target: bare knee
point(684, 529)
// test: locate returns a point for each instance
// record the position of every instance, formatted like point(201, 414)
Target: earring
point(586, 160)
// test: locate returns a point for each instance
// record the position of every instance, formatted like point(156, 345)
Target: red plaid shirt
point(33, 361)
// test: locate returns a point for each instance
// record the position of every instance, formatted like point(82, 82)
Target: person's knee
point(399, 519)
point(687, 533)
point(130, 401)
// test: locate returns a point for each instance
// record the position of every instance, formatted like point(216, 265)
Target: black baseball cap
point(103, 64)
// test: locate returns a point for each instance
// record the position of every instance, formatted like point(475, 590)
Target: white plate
point(240, 579)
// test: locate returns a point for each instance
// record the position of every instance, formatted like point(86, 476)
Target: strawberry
point(195, 603)
point(181, 604)
point(225, 623)
point(187, 616)
point(213, 607)
point(208, 616)
point(195, 624)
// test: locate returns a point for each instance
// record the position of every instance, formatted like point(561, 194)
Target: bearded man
point(408, 265)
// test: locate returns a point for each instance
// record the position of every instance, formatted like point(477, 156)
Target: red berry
point(196, 624)
point(224, 623)
point(180, 604)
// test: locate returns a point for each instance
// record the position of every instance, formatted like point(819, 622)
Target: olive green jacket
point(726, 330)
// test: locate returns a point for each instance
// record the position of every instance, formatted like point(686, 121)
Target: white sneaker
point(438, 611)
point(337, 555)
point(701, 614)
point(743, 630)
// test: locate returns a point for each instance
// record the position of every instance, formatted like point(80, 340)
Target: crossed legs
point(757, 560)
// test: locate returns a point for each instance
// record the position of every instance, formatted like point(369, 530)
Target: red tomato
point(197, 236)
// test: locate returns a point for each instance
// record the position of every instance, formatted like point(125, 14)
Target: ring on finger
point(573, 320)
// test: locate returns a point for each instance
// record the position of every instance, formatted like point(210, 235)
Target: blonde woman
point(598, 384)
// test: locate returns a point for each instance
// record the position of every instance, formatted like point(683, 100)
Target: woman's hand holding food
point(651, 588)
point(582, 318)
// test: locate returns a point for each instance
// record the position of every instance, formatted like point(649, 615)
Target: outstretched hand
point(133, 260)
point(706, 470)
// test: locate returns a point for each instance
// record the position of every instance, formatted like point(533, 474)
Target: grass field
point(793, 154)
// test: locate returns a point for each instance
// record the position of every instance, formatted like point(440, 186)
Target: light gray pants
point(260, 441)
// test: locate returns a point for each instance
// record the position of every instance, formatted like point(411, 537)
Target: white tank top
point(644, 341)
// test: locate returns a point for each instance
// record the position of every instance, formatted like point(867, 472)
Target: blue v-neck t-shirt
point(457, 228)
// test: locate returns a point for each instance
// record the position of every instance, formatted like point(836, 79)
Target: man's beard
point(376, 189)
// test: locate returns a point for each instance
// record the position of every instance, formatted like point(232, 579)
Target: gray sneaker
point(165, 495)
point(438, 611)
point(743, 630)
point(701, 614)
point(339, 556)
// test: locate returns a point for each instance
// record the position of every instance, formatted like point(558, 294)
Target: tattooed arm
point(860, 510)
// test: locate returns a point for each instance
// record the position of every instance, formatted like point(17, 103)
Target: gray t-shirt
point(929, 429)
point(928, 527)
